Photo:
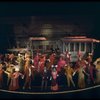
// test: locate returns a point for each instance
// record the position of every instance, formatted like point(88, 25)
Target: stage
point(90, 92)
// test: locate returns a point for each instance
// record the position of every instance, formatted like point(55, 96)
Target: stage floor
point(90, 92)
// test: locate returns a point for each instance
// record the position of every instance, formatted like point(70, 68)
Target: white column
point(63, 47)
point(80, 46)
point(66, 47)
point(92, 49)
point(85, 46)
point(69, 46)
point(74, 47)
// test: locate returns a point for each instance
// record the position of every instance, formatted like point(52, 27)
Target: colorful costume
point(97, 64)
point(90, 70)
point(69, 72)
point(9, 71)
point(20, 63)
point(61, 63)
point(54, 84)
point(81, 77)
point(52, 58)
point(14, 84)
point(36, 61)
point(41, 64)
point(28, 77)
point(68, 57)
point(27, 62)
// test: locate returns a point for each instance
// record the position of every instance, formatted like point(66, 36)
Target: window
point(76, 46)
point(88, 47)
point(33, 47)
point(82, 47)
point(48, 47)
point(40, 47)
point(67, 46)
point(51, 46)
point(71, 46)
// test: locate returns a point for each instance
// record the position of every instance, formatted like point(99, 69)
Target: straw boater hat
point(19, 54)
point(90, 54)
point(16, 69)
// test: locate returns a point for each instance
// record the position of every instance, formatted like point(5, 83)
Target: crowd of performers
point(52, 68)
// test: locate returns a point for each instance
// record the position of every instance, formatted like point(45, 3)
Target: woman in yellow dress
point(69, 72)
point(97, 66)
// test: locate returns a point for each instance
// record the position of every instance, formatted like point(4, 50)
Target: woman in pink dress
point(14, 84)
point(61, 63)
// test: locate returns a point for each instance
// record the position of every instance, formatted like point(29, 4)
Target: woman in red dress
point(14, 84)
point(54, 84)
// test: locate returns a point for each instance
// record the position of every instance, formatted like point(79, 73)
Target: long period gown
point(69, 72)
point(98, 74)
point(97, 66)
point(81, 78)
point(14, 84)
